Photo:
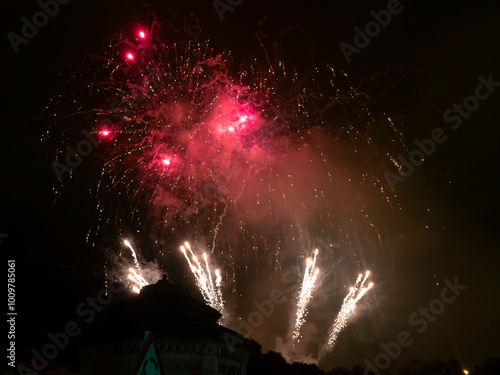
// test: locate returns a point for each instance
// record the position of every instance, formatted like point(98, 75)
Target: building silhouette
point(188, 336)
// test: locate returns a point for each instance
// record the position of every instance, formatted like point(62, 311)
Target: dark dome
point(165, 303)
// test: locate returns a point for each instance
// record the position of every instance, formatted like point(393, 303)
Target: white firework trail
point(348, 307)
point(136, 277)
point(305, 294)
point(211, 292)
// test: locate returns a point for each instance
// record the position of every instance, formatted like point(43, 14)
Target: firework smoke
point(138, 280)
point(135, 274)
point(254, 158)
point(210, 290)
point(347, 310)
point(193, 142)
point(305, 294)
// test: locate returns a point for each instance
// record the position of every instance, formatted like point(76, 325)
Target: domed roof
point(166, 303)
point(171, 313)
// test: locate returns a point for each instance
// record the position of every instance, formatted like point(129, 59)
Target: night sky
point(426, 59)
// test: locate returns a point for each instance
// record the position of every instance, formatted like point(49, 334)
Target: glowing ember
point(142, 34)
point(130, 56)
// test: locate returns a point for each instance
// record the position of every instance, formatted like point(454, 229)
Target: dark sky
point(431, 55)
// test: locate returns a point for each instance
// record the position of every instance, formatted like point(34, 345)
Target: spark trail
point(347, 310)
point(305, 294)
point(210, 290)
point(194, 141)
point(136, 277)
point(189, 141)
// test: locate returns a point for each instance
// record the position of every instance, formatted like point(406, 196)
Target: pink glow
point(105, 133)
point(166, 161)
point(130, 56)
point(142, 34)
point(233, 119)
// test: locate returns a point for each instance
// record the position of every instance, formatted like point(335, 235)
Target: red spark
point(105, 133)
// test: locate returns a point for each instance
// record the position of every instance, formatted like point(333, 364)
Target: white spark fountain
point(305, 294)
point(348, 308)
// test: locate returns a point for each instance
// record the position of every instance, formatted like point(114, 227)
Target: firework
point(194, 142)
point(137, 279)
point(210, 291)
point(135, 275)
point(305, 294)
point(348, 308)
point(134, 254)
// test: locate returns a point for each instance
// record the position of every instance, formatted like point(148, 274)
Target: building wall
point(178, 357)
